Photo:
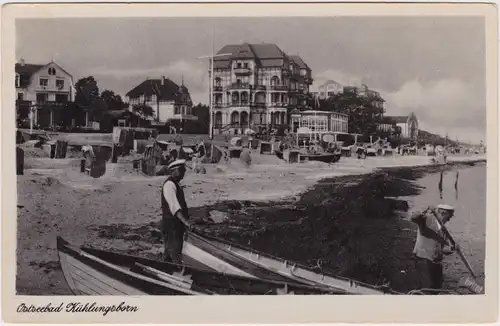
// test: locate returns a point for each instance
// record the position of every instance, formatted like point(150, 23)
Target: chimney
point(22, 62)
point(162, 80)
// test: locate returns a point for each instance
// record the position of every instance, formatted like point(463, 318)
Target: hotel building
point(256, 86)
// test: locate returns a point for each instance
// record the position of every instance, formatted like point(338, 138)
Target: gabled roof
point(268, 51)
point(299, 62)
point(244, 52)
point(169, 91)
point(28, 69)
point(267, 54)
point(329, 82)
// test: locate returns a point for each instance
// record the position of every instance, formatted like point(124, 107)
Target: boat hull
point(90, 271)
point(264, 266)
point(88, 275)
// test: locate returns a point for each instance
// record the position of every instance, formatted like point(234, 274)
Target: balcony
point(240, 86)
point(279, 104)
point(241, 104)
point(242, 71)
point(217, 88)
point(260, 87)
point(51, 88)
point(279, 87)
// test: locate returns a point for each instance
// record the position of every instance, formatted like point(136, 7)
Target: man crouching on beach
point(175, 218)
point(430, 243)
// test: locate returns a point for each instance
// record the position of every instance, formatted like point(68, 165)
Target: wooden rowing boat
point(213, 254)
point(90, 271)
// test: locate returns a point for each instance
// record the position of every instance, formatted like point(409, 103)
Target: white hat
point(446, 207)
point(176, 164)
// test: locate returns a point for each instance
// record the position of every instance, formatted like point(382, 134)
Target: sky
point(432, 66)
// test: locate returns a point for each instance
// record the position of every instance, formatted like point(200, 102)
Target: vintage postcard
point(249, 163)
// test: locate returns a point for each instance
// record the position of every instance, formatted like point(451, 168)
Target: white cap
point(446, 207)
point(176, 164)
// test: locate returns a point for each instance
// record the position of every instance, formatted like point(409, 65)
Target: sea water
point(467, 193)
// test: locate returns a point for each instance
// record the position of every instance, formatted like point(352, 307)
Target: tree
point(113, 101)
point(202, 125)
point(363, 112)
point(143, 110)
point(87, 100)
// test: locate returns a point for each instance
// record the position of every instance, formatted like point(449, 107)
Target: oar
point(469, 283)
point(459, 251)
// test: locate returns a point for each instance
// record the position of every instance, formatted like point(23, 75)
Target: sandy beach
point(307, 207)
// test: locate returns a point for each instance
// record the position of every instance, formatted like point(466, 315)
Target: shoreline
point(271, 206)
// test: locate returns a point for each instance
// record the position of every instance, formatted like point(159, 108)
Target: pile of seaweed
point(345, 225)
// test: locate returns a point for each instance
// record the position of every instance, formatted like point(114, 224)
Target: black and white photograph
point(250, 156)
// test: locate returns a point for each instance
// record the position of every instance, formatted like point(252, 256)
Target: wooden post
point(82, 166)
point(114, 154)
point(20, 161)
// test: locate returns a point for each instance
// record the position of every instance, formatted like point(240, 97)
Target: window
point(244, 98)
point(238, 81)
point(303, 72)
point(245, 65)
point(52, 71)
point(218, 99)
point(20, 96)
point(235, 98)
point(275, 81)
point(60, 83)
point(217, 82)
point(177, 110)
point(44, 82)
point(147, 98)
point(61, 98)
point(41, 97)
point(238, 65)
point(18, 80)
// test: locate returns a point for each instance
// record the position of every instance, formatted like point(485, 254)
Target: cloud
point(445, 106)
point(442, 106)
point(194, 73)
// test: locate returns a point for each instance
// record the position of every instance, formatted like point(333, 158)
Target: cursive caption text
point(74, 307)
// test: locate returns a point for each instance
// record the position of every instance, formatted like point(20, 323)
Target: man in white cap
point(175, 218)
point(431, 241)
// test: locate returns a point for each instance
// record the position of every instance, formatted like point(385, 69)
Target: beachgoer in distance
point(175, 218)
point(431, 241)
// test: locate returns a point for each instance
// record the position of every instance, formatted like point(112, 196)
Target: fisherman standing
point(175, 218)
point(431, 241)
